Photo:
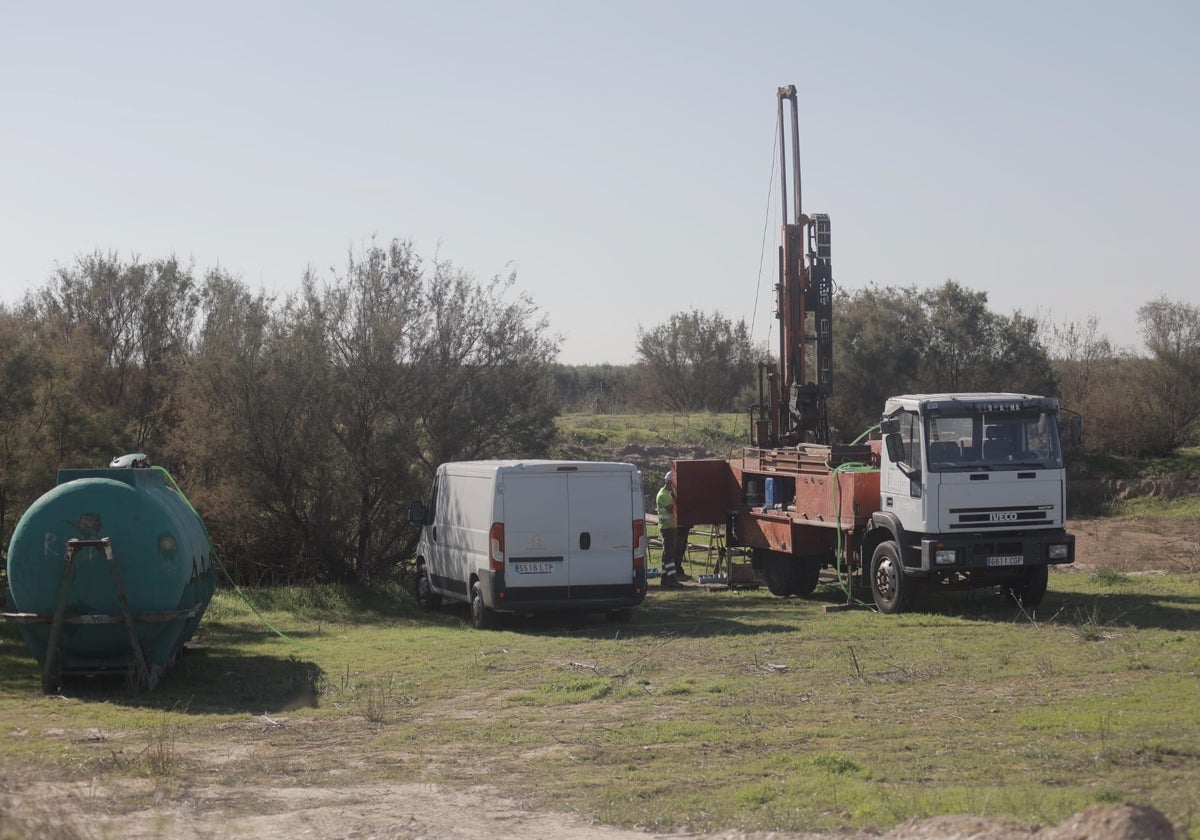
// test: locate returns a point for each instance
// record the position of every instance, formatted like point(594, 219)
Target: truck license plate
point(1006, 560)
point(533, 568)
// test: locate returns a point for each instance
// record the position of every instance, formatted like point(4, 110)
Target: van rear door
point(600, 518)
point(535, 533)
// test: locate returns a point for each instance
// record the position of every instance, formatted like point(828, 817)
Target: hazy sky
point(616, 155)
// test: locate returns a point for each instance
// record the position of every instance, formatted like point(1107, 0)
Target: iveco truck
point(958, 490)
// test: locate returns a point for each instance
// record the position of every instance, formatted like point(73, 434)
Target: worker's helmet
point(667, 477)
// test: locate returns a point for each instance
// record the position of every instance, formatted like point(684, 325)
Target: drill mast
point(804, 307)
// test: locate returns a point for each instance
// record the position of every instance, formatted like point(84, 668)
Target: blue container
point(163, 567)
point(769, 493)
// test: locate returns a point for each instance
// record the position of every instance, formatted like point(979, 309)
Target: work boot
point(670, 582)
point(684, 576)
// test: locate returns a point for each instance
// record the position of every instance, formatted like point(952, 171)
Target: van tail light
point(496, 547)
point(639, 543)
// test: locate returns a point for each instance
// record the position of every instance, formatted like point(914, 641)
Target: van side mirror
point(416, 514)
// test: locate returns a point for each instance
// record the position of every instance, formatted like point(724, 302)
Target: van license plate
point(533, 568)
point(1006, 560)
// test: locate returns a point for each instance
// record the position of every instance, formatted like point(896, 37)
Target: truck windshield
point(992, 441)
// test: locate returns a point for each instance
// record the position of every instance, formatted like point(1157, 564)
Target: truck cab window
point(910, 434)
point(993, 441)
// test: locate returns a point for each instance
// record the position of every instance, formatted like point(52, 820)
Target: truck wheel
point(809, 574)
point(482, 616)
point(427, 599)
point(892, 592)
point(1031, 588)
point(781, 573)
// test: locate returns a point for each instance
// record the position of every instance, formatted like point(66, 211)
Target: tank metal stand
point(52, 672)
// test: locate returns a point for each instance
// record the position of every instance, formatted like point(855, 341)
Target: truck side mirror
point(416, 514)
point(889, 425)
point(1076, 425)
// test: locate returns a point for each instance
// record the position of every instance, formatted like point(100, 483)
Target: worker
point(674, 539)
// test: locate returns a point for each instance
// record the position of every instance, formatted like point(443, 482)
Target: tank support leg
point(52, 667)
point(141, 674)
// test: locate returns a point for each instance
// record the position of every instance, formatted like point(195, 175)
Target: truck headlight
point(1058, 551)
point(945, 556)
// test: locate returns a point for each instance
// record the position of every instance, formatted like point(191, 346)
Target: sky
point(618, 156)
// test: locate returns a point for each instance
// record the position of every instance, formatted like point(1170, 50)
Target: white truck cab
point(972, 493)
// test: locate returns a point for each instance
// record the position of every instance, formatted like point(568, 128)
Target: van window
point(432, 506)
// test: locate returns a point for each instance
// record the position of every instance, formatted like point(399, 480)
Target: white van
point(515, 536)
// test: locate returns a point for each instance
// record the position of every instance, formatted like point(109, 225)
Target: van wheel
point(891, 589)
point(427, 599)
point(483, 617)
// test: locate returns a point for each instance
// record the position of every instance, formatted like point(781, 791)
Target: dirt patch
point(1134, 544)
point(412, 811)
point(1100, 822)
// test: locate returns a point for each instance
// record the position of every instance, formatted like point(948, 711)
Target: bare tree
point(967, 347)
point(134, 320)
point(340, 403)
point(485, 368)
point(1083, 356)
point(24, 375)
point(696, 361)
point(877, 339)
point(1171, 331)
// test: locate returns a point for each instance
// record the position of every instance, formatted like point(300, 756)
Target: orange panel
point(704, 491)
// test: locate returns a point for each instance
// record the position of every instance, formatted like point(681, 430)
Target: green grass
point(1102, 474)
point(724, 433)
point(709, 710)
point(1183, 462)
point(1149, 507)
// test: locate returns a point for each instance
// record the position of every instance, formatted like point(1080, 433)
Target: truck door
point(900, 494)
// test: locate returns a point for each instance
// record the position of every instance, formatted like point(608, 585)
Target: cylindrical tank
point(163, 569)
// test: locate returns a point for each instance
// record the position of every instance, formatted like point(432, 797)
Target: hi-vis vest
point(664, 500)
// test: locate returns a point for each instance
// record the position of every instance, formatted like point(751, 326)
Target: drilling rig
point(963, 490)
point(804, 307)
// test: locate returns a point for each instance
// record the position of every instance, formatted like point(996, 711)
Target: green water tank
point(163, 566)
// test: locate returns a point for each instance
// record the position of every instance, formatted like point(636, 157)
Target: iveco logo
point(1004, 517)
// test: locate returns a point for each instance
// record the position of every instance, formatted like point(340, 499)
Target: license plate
point(1006, 560)
point(533, 568)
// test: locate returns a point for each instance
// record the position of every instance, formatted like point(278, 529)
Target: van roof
point(538, 465)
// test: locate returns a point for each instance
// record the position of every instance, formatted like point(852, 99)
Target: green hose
point(835, 488)
point(171, 479)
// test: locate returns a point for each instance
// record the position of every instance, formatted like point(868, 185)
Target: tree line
point(301, 426)
point(893, 340)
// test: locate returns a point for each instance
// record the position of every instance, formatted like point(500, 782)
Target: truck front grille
point(999, 518)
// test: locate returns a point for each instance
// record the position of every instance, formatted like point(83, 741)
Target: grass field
point(718, 433)
point(708, 710)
